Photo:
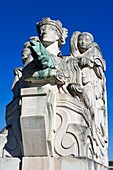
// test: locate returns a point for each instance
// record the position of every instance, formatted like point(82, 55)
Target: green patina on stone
point(41, 53)
point(41, 73)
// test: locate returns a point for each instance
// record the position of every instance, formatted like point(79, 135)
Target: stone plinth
point(62, 163)
point(36, 121)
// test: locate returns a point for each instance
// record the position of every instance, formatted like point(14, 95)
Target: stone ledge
point(63, 163)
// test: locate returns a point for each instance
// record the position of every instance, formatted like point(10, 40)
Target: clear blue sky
point(17, 24)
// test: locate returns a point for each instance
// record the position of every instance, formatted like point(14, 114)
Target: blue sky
point(17, 24)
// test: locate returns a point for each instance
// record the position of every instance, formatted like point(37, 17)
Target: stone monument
point(57, 119)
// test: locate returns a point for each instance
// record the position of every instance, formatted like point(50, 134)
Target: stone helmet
point(61, 32)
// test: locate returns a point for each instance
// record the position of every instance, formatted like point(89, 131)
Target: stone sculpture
point(58, 115)
point(89, 67)
point(45, 50)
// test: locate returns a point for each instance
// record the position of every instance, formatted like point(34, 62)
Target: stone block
point(62, 163)
point(40, 163)
point(34, 136)
point(80, 163)
point(36, 122)
point(9, 164)
point(3, 140)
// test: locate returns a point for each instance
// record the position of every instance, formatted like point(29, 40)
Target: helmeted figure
point(47, 58)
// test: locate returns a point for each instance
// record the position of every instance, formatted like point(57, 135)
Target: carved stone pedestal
point(57, 132)
point(52, 131)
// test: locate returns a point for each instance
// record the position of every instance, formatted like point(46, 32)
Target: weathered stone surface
point(63, 163)
point(13, 147)
point(36, 121)
point(87, 83)
point(72, 127)
point(3, 141)
point(40, 163)
point(9, 164)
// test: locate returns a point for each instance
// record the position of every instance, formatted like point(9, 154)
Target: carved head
point(25, 53)
point(50, 31)
point(86, 75)
point(85, 40)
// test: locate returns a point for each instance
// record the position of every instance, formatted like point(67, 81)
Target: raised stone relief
point(88, 85)
point(59, 106)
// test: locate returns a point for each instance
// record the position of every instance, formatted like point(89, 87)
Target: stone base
point(36, 121)
point(9, 164)
point(63, 163)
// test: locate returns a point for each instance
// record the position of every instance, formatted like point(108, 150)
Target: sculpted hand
point(86, 61)
point(36, 48)
point(75, 89)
